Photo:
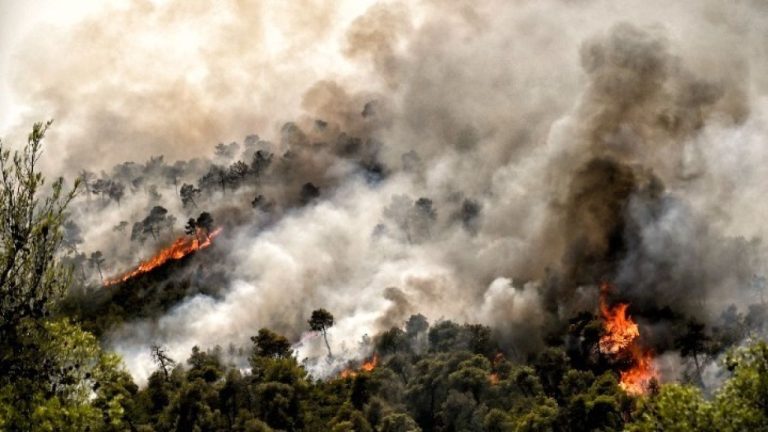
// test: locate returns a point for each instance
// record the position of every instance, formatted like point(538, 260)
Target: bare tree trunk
point(327, 345)
point(698, 365)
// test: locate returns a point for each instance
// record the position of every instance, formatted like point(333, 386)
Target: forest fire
point(182, 247)
point(620, 338)
point(367, 366)
point(493, 377)
point(637, 379)
point(620, 330)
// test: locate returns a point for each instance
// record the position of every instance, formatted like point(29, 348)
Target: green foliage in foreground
point(433, 391)
point(741, 404)
point(447, 390)
point(88, 392)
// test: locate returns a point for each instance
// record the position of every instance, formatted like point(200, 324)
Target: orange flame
point(371, 364)
point(637, 379)
point(620, 339)
point(367, 366)
point(493, 377)
point(182, 247)
point(620, 330)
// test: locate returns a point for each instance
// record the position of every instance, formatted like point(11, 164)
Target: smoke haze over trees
point(435, 183)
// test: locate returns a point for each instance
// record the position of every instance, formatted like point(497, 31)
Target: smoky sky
point(524, 152)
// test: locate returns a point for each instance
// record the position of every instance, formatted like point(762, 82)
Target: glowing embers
point(367, 366)
point(178, 250)
point(620, 339)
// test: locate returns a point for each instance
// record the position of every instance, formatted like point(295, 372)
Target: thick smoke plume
point(486, 161)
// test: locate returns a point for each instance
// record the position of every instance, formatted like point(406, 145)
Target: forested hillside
point(440, 376)
point(383, 215)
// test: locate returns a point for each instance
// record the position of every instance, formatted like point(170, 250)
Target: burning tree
point(200, 230)
point(620, 339)
point(368, 366)
point(203, 225)
point(205, 222)
point(190, 228)
point(182, 247)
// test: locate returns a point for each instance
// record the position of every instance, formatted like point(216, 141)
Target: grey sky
point(18, 19)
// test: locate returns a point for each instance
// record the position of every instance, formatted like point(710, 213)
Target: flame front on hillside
point(367, 366)
point(182, 247)
point(620, 338)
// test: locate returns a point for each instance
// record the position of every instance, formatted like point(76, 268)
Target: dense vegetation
point(439, 377)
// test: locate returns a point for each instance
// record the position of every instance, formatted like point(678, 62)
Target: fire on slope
point(620, 339)
point(182, 247)
point(367, 366)
point(493, 377)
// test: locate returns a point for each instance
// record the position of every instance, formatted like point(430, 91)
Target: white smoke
point(503, 102)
